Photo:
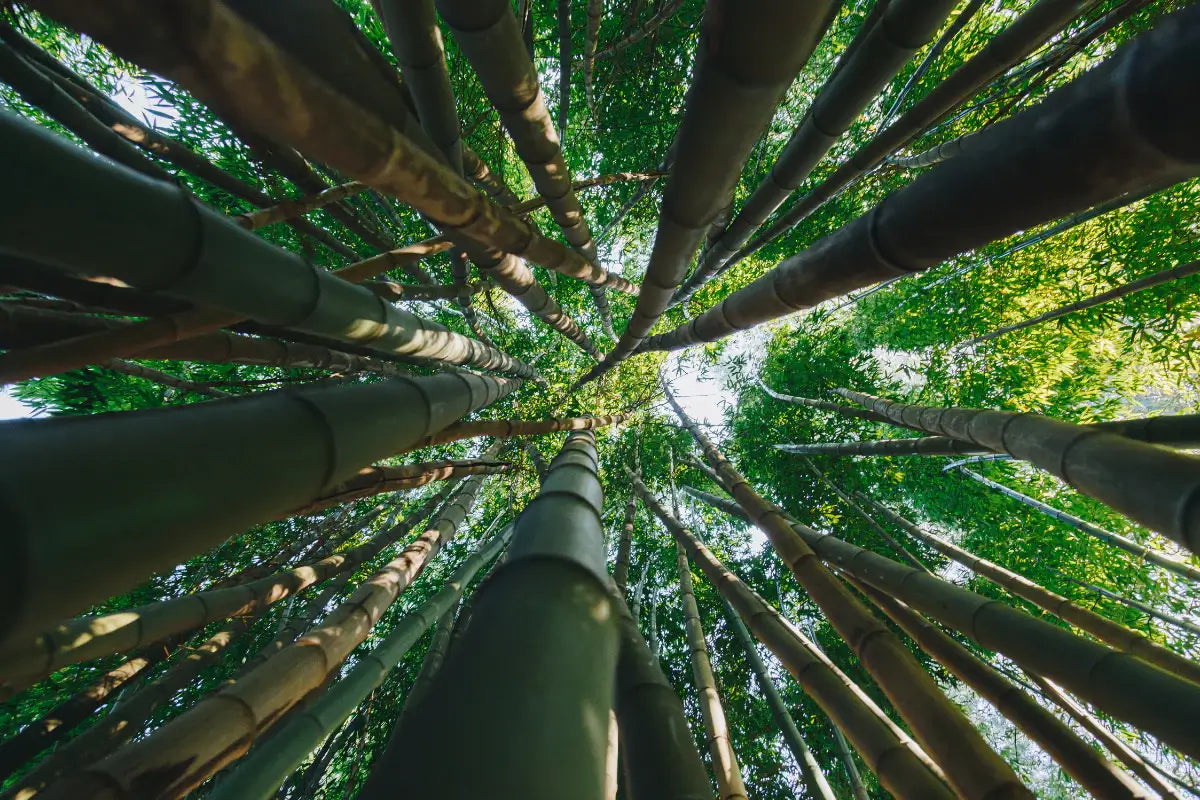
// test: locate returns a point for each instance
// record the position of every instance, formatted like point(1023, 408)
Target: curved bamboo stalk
point(372, 481)
point(903, 769)
point(289, 209)
point(221, 727)
point(921, 446)
point(1007, 48)
point(1145, 608)
point(931, 55)
point(563, 9)
point(260, 774)
point(1124, 290)
point(825, 405)
point(390, 290)
point(873, 57)
point(1093, 772)
point(1151, 485)
point(195, 253)
point(537, 658)
point(1164, 705)
point(745, 61)
point(658, 754)
point(107, 536)
point(162, 378)
point(1055, 143)
point(1168, 563)
point(595, 13)
point(624, 544)
point(723, 758)
point(972, 768)
point(1104, 629)
point(86, 638)
point(26, 327)
point(384, 153)
point(507, 428)
point(810, 771)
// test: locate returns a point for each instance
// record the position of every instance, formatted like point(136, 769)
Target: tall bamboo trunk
point(902, 767)
point(972, 768)
point(1048, 152)
point(875, 55)
point(1104, 629)
point(261, 773)
point(219, 729)
point(1075, 756)
point(528, 687)
point(1151, 485)
point(745, 60)
point(624, 545)
point(723, 759)
point(290, 209)
point(507, 428)
point(374, 481)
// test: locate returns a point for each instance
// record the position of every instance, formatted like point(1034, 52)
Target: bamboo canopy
point(270, 276)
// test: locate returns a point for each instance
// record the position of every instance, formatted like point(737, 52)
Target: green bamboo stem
point(872, 59)
point(196, 254)
point(162, 378)
point(1093, 772)
point(810, 771)
point(903, 769)
point(375, 480)
point(563, 8)
point(1151, 485)
point(23, 327)
point(1007, 48)
point(528, 686)
point(290, 209)
point(624, 545)
point(260, 774)
point(1164, 705)
point(1124, 290)
point(1142, 552)
point(221, 727)
point(595, 14)
point(745, 61)
point(86, 638)
point(723, 758)
point(1055, 143)
point(391, 290)
point(131, 715)
point(972, 768)
point(921, 446)
point(508, 428)
point(107, 536)
point(936, 154)
point(658, 754)
point(385, 153)
point(1104, 629)
point(824, 405)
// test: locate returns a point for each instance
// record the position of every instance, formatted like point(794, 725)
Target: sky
point(11, 407)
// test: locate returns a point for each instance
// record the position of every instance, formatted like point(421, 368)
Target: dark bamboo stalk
point(624, 544)
point(931, 55)
point(745, 61)
point(106, 536)
point(162, 378)
point(972, 767)
point(651, 25)
point(528, 687)
point(921, 446)
point(872, 58)
point(1104, 629)
point(290, 209)
point(1111, 110)
point(825, 405)
point(903, 769)
point(221, 727)
point(1093, 772)
point(1145, 608)
point(507, 428)
point(936, 154)
point(373, 481)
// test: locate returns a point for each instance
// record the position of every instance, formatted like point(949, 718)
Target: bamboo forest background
point(921, 339)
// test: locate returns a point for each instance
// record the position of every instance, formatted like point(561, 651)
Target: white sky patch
point(11, 407)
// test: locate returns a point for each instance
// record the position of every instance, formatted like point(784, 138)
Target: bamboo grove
point(612, 399)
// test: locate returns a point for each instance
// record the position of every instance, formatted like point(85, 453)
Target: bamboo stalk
point(106, 535)
point(873, 57)
point(528, 686)
point(745, 61)
point(373, 481)
point(624, 544)
point(260, 774)
point(1104, 629)
point(1055, 143)
point(507, 428)
point(289, 209)
point(931, 55)
point(1145, 608)
point(221, 727)
point(972, 768)
point(903, 769)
